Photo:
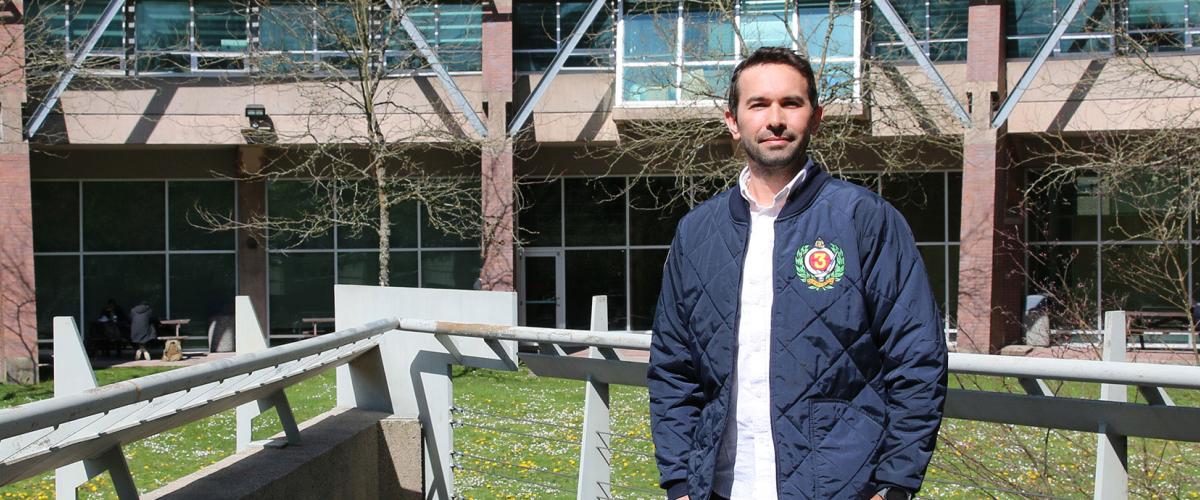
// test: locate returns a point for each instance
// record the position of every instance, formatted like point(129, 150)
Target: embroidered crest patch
point(819, 265)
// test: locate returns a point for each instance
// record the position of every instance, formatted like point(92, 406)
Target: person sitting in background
point(142, 328)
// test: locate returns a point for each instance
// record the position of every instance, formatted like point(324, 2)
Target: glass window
point(220, 25)
point(535, 35)
point(590, 273)
point(460, 36)
point(817, 23)
point(645, 281)
point(708, 82)
point(188, 201)
point(301, 286)
point(89, 11)
point(45, 27)
point(952, 284)
point(595, 211)
point(597, 42)
point(1028, 23)
point(1066, 212)
point(836, 82)
point(56, 281)
point(403, 218)
point(650, 223)
point(649, 83)
point(285, 27)
point(55, 216)
point(540, 219)
point(123, 216)
point(920, 198)
point(948, 22)
point(1091, 29)
point(202, 288)
point(766, 23)
point(362, 268)
point(458, 269)
point(163, 25)
point(1068, 274)
point(1144, 278)
point(435, 234)
point(934, 257)
point(954, 204)
point(650, 32)
point(1140, 210)
point(294, 205)
point(127, 279)
point(707, 32)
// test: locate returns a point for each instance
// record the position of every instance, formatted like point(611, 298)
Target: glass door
point(542, 285)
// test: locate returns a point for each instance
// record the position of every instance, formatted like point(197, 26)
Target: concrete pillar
point(252, 245)
point(497, 155)
point(18, 314)
point(989, 288)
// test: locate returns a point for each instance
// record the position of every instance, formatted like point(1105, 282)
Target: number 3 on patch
point(820, 266)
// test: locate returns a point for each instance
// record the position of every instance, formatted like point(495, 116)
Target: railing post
point(1112, 474)
point(72, 375)
point(248, 338)
point(595, 452)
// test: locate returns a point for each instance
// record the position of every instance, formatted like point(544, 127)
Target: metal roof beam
point(1031, 72)
point(439, 69)
point(556, 64)
point(64, 79)
point(893, 18)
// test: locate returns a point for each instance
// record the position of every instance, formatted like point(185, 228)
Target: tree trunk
point(384, 227)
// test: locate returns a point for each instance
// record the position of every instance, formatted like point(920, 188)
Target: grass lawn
point(517, 436)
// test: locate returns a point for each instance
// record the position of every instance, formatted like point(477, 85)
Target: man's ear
point(731, 124)
point(814, 122)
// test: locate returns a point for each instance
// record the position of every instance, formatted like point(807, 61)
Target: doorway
point(542, 289)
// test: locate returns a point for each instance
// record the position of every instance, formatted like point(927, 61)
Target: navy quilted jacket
point(858, 363)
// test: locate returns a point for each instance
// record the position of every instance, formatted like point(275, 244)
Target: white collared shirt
point(746, 461)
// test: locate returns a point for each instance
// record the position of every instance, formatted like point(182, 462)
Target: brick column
point(251, 245)
point(989, 286)
point(18, 317)
point(496, 153)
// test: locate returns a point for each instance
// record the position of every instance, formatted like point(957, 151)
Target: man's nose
point(776, 122)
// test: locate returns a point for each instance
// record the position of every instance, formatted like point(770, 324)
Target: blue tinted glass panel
point(460, 36)
point(706, 82)
point(163, 24)
point(836, 82)
point(650, 32)
point(338, 27)
point(45, 25)
point(220, 26)
point(87, 14)
point(286, 27)
point(655, 83)
point(817, 23)
point(766, 24)
point(707, 33)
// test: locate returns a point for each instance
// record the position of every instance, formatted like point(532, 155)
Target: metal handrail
point(59, 410)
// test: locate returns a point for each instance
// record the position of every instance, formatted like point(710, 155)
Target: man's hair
point(772, 55)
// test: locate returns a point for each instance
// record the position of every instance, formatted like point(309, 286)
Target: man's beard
point(778, 159)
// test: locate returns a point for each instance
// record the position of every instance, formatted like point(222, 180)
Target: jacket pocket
point(844, 441)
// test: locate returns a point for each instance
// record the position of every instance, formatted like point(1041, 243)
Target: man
point(797, 348)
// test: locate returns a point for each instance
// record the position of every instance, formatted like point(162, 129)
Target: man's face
point(775, 118)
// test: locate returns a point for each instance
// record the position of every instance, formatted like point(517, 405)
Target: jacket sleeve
point(675, 394)
point(909, 332)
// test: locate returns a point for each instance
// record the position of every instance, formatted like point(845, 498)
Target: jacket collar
point(801, 197)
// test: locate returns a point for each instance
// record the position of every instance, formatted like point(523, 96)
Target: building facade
point(104, 201)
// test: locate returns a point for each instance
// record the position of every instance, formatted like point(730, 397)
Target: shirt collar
point(780, 197)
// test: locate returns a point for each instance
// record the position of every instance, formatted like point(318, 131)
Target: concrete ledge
point(344, 453)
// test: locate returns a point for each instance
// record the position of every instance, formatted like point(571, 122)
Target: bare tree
point(361, 143)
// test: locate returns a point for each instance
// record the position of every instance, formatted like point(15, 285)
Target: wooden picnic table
point(173, 350)
point(315, 322)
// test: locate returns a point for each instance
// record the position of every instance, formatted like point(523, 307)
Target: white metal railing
point(383, 364)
